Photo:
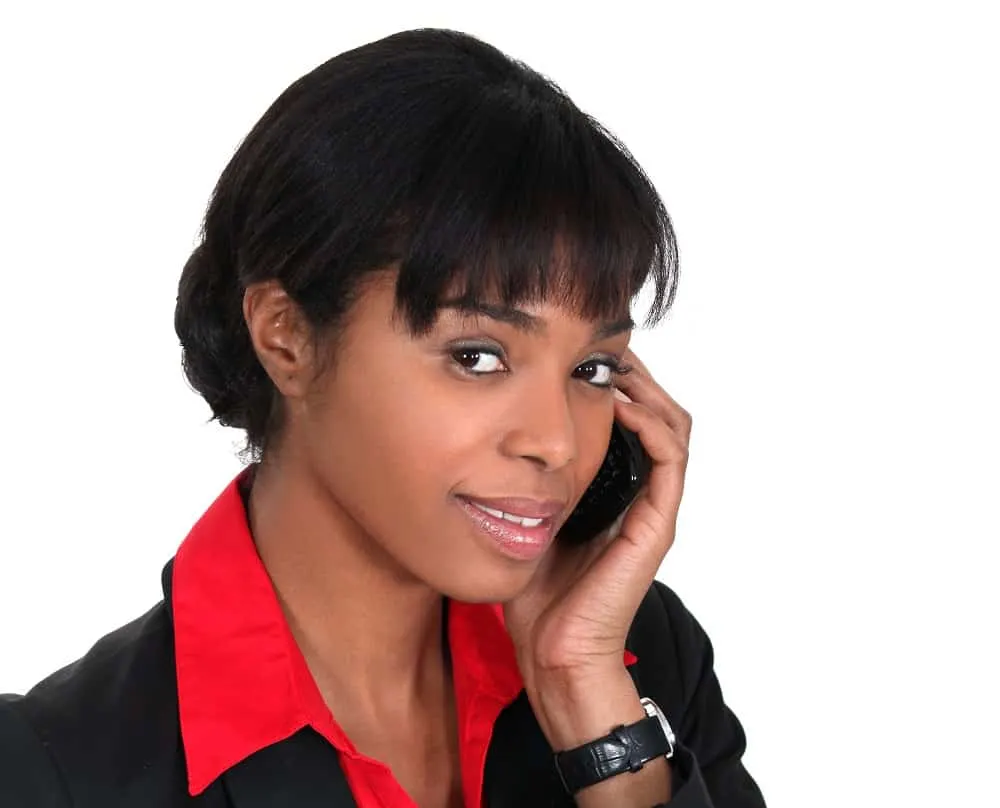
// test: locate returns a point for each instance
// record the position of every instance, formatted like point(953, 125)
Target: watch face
point(653, 709)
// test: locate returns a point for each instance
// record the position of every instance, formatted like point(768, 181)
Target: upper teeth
point(527, 521)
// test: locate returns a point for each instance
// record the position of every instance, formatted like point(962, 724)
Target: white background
point(832, 172)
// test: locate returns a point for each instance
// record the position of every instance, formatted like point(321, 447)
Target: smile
point(515, 535)
point(527, 521)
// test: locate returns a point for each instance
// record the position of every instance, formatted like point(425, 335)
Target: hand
point(574, 616)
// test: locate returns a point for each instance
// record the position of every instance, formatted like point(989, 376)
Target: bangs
point(524, 202)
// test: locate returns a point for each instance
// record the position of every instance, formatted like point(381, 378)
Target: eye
point(478, 361)
point(601, 372)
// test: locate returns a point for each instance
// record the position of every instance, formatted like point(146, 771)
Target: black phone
point(623, 473)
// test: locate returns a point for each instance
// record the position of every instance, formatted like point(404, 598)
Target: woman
point(412, 292)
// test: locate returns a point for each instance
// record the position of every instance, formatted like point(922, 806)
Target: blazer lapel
point(301, 771)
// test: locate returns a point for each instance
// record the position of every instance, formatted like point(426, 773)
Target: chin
point(498, 587)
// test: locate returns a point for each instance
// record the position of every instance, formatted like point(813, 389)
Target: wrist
point(574, 707)
point(577, 708)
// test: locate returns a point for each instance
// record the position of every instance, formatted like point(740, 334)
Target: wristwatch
point(624, 749)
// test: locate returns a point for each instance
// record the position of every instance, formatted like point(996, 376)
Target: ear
point(281, 336)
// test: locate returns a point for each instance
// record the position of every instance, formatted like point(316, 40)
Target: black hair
point(432, 151)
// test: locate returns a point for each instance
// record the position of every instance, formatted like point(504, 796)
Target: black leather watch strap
point(624, 749)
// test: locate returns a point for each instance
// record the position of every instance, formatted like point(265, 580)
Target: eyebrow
point(530, 323)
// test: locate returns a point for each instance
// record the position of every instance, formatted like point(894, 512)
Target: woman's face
point(407, 434)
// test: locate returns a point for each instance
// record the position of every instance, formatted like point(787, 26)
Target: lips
point(520, 528)
point(523, 507)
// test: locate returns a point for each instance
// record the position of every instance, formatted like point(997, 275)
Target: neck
point(370, 633)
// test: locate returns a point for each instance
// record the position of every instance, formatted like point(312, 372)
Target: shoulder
point(123, 669)
point(671, 645)
point(676, 668)
point(113, 709)
point(28, 776)
point(665, 634)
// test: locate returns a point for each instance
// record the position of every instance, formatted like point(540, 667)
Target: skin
point(361, 548)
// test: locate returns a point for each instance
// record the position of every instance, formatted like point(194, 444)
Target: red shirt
point(243, 683)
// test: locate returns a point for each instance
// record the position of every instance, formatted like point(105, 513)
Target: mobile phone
point(623, 473)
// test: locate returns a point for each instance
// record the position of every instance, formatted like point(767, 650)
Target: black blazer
point(104, 732)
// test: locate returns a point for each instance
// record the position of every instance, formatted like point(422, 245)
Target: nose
point(542, 430)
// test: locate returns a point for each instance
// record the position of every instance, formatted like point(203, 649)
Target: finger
point(651, 520)
point(641, 370)
point(560, 570)
point(632, 358)
point(646, 375)
point(663, 445)
point(641, 387)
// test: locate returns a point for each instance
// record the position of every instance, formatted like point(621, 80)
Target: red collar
point(242, 682)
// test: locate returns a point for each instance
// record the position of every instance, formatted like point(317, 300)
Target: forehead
point(533, 318)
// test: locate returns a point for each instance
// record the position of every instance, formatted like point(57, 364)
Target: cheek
point(415, 432)
point(393, 465)
point(393, 445)
point(593, 437)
